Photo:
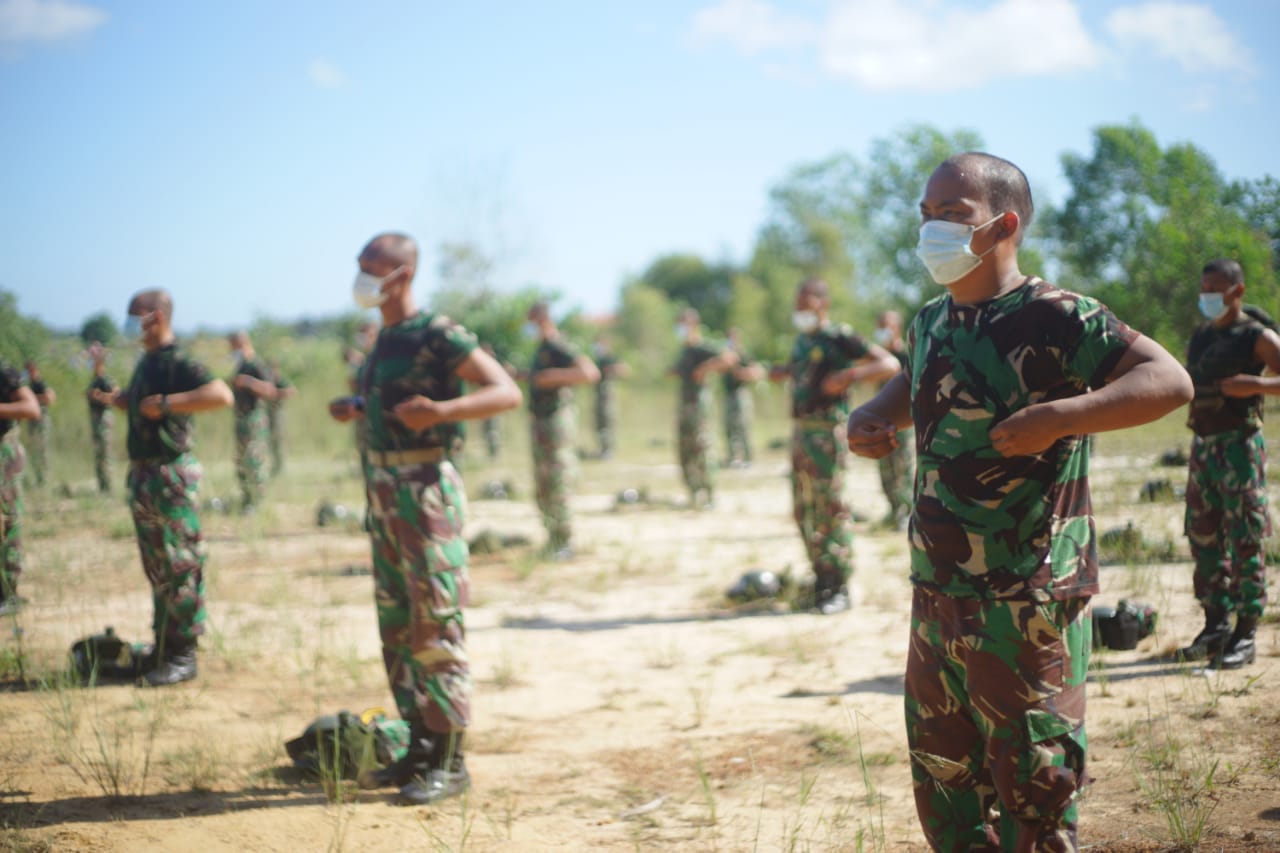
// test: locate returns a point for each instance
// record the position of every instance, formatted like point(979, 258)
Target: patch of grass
point(1178, 776)
point(196, 767)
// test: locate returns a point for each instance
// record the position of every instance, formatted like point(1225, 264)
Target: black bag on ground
point(344, 744)
point(107, 658)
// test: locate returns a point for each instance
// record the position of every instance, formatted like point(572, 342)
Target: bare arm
point(1266, 350)
point(48, 397)
point(260, 388)
point(212, 395)
point(753, 372)
point(22, 406)
point(873, 426)
point(583, 371)
point(495, 392)
point(1146, 384)
point(716, 364)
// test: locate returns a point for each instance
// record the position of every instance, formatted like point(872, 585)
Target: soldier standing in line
point(166, 388)
point(898, 468)
point(411, 394)
point(698, 359)
point(826, 360)
point(606, 402)
point(276, 417)
point(739, 403)
point(557, 367)
point(1006, 374)
point(1227, 516)
point(38, 430)
point(254, 390)
point(17, 402)
point(101, 417)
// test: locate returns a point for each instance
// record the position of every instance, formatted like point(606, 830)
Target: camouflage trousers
point(416, 514)
point(897, 471)
point(606, 412)
point(1228, 519)
point(37, 445)
point(995, 702)
point(739, 409)
point(164, 499)
point(251, 455)
point(12, 461)
point(555, 467)
point(818, 505)
point(100, 425)
point(693, 436)
point(275, 437)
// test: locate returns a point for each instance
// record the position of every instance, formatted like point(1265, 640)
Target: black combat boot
point(445, 776)
point(1241, 649)
point(401, 771)
point(175, 662)
point(1212, 639)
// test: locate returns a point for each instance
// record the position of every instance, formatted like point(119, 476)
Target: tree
point(645, 330)
point(687, 279)
point(101, 328)
point(20, 337)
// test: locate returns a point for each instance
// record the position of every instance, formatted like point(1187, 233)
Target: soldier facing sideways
point(698, 360)
point(38, 430)
point(827, 359)
point(166, 389)
point(254, 389)
point(739, 402)
point(101, 417)
point(557, 367)
point(17, 403)
point(411, 395)
point(1005, 375)
point(1227, 516)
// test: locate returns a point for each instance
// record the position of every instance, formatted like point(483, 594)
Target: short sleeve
point(189, 374)
point(1097, 341)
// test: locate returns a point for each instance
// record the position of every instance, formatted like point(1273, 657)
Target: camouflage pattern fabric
point(166, 370)
point(606, 406)
point(37, 445)
point(995, 708)
point(164, 498)
point(1228, 519)
point(986, 526)
point(1214, 354)
point(693, 424)
point(420, 581)
point(12, 461)
point(896, 473)
point(739, 410)
point(253, 434)
point(814, 357)
point(555, 468)
point(818, 504)
point(101, 426)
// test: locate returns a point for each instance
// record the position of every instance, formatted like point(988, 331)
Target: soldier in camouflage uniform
point(606, 403)
point(276, 416)
point(38, 431)
point(254, 389)
point(1005, 374)
point(17, 402)
point(739, 406)
point(557, 367)
point(826, 360)
point(166, 388)
point(411, 395)
point(1227, 517)
point(101, 417)
point(698, 359)
point(896, 469)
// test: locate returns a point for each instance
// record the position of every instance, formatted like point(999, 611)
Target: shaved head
point(815, 287)
point(238, 339)
point(146, 301)
point(999, 183)
point(393, 249)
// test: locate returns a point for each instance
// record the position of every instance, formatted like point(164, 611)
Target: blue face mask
point(132, 327)
point(530, 330)
point(1212, 306)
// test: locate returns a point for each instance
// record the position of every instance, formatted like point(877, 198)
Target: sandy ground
point(620, 702)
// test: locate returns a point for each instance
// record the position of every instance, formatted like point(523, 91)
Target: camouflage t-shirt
point(692, 355)
point(162, 371)
point(550, 354)
point(814, 357)
point(987, 526)
point(10, 382)
point(245, 400)
point(418, 356)
point(1213, 355)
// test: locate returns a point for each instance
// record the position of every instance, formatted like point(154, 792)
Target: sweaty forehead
point(951, 186)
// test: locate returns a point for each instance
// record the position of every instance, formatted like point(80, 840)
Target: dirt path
point(620, 704)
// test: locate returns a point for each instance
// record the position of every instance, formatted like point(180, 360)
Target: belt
point(391, 458)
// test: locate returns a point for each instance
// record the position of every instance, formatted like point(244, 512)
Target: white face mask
point(883, 336)
point(945, 247)
point(530, 330)
point(804, 321)
point(1212, 306)
point(367, 289)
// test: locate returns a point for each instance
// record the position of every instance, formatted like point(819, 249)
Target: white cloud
point(914, 45)
point(46, 21)
point(1190, 35)
point(325, 74)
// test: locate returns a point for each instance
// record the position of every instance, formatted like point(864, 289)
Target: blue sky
point(240, 152)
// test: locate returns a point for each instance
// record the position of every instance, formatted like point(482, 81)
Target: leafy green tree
point(687, 279)
point(99, 327)
point(20, 337)
point(644, 333)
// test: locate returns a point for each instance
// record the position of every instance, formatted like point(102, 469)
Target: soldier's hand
point(344, 409)
point(1026, 432)
point(870, 435)
point(242, 381)
point(150, 409)
point(1241, 385)
point(418, 412)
